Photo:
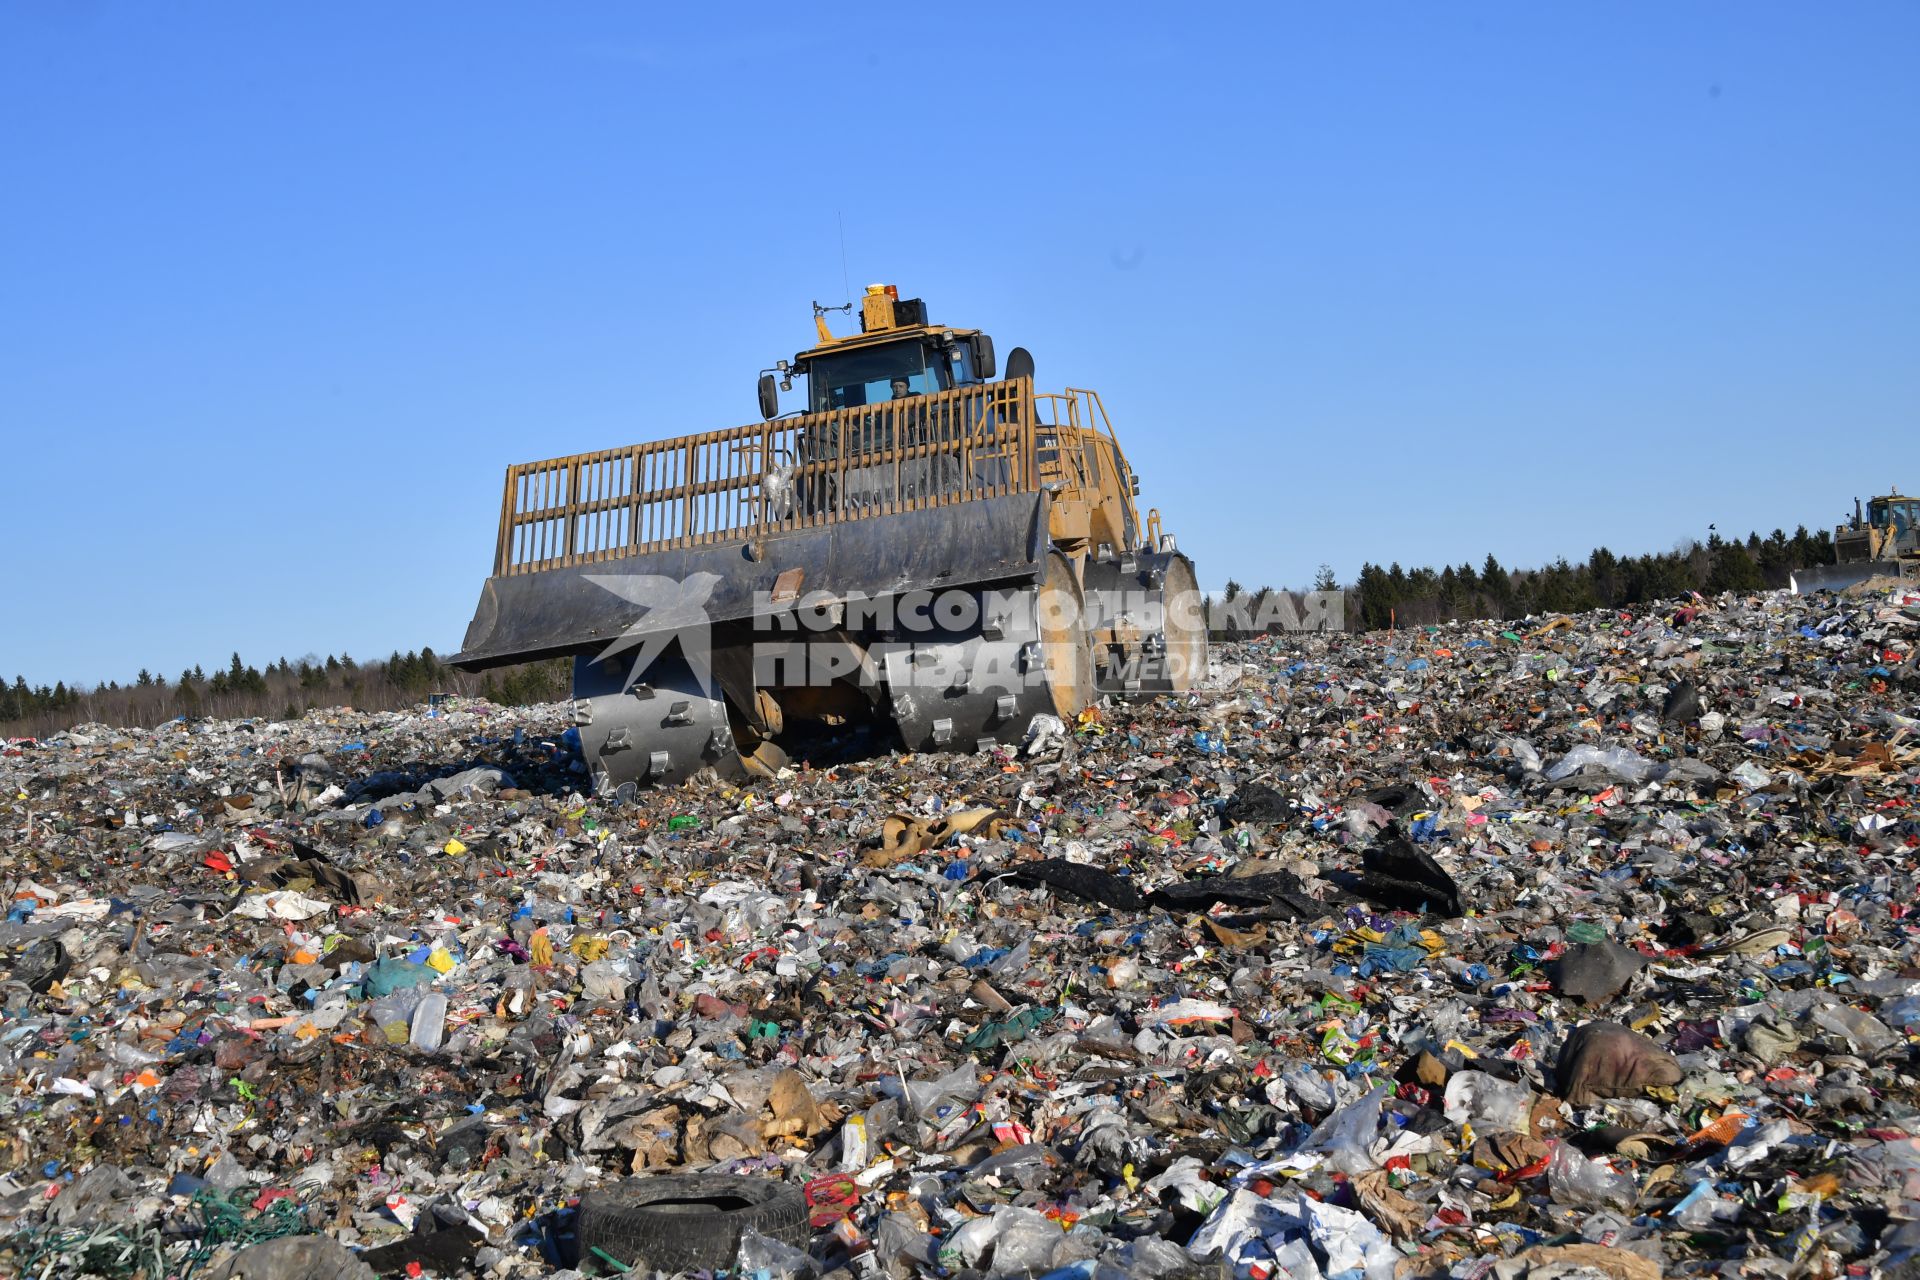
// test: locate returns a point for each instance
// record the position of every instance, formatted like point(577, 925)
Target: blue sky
point(283, 289)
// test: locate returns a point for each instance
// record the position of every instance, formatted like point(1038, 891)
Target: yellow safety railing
point(791, 473)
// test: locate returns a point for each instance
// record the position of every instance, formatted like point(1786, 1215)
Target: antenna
point(845, 284)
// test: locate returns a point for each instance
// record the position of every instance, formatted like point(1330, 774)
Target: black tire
point(685, 1222)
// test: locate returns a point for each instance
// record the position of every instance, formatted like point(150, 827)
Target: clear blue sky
point(283, 288)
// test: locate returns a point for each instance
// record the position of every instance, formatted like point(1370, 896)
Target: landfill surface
point(1562, 948)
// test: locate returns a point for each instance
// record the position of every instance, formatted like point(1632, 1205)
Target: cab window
point(866, 377)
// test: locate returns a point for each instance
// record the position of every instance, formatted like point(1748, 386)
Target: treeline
point(1383, 597)
point(281, 690)
point(1394, 596)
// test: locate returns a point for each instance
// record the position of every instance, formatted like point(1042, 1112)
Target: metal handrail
point(717, 487)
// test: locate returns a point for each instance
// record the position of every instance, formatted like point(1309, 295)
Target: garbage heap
point(1577, 946)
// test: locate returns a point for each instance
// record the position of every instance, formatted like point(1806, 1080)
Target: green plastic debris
point(610, 1260)
point(97, 1250)
point(384, 977)
point(1010, 1030)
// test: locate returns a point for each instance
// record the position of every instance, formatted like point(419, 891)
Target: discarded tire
point(678, 1222)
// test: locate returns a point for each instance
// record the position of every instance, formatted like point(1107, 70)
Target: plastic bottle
point(429, 1022)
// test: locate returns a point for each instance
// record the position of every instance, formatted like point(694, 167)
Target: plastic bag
point(1239, 1227)
point(1347, 1135)
point(897, 1238)
point(1307, 1085)
point(392, 1016)
point(1022, 1164)
point(1903, 1013)
point(1490, 1104)
point(1148, 1257)
point(1628, 766)
point(605, 980)
point(967, 1245)
point(762, 1258)
point(1703, 1207)
point(1186, 1178)
point(1350, 1242)
point(929, 1098)
point(1524, 753)
point(1026, 1241)
point(1863, 1033)
point(1572, 1179)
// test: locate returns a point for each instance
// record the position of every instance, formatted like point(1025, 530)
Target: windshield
point(866, 377)
point(1898, 516)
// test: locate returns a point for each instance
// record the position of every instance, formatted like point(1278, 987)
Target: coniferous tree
point(1496, 580)
point(1734, 570)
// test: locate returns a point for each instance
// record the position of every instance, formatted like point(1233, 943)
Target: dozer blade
point(1838, 577)
point(526, 616)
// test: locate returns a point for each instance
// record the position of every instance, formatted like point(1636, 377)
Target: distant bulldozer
point(1884, 542)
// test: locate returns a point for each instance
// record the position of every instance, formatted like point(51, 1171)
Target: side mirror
point(983, 365)
point(769, 397)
